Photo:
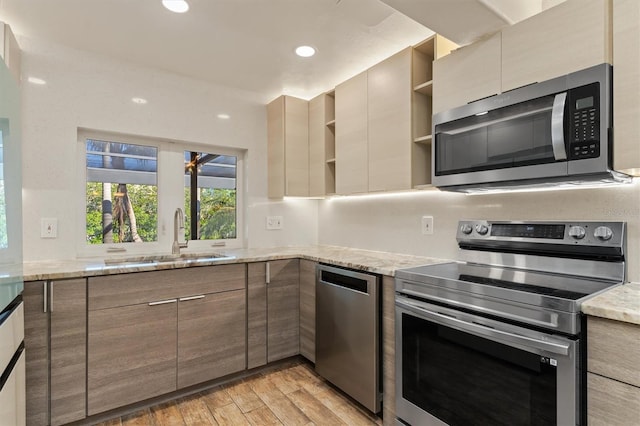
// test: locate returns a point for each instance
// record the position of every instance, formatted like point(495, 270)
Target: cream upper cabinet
point(626, 85)
point(322, 152)
point(352, 157)
point(467, 74)
point(566, 38)
point(288, 147)
point(389, 123)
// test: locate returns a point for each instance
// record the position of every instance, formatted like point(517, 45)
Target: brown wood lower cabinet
point(132, 354)
point(308, 309)
point(613, 380)
point(211, 336)
point(55, 346)
point(146, 346)
point(283, 310)
point(273, 311)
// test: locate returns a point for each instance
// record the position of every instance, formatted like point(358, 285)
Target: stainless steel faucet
point(178, 227)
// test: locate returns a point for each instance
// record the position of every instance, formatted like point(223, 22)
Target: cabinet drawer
point(610, 402)
point(614, 349)
point(143, 287)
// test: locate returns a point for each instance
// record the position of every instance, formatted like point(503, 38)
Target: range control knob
point(577, 232)
point(466, 229)
point(603, 233)
point(482, 229)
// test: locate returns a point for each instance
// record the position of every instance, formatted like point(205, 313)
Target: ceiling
point(245, 44)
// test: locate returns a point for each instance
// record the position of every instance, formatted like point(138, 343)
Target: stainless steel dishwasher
point(348, 332)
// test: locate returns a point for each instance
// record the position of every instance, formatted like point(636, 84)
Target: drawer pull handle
point(186, 299)
point(163, 302)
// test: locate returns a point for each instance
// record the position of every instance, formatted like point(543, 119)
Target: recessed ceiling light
point(177, 6)
point(139, 101)
point(36, 80)
point(305, 51)
point(224, 116)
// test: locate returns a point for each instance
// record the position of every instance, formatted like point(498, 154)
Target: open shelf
point(424, 139)
point(425, 88)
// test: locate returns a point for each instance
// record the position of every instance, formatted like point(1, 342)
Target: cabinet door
point(36, 343)
point(308, 309)
point(68, 307)
point(467, 74)
point(131, 354)
point(610, 402)
point(288, 147)
point(626, 85)
point(283, 312)
point(352, 164)
point(563, 39)
point(389, 123)
point(211, 336)
point(256, 314)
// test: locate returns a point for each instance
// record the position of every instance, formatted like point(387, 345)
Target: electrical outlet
point(48, 227)
point(274, 222)
point(427, 225)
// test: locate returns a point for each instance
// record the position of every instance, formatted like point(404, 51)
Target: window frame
point(196, 246)
point(170, 189)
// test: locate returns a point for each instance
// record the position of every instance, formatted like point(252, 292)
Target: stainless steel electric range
point(498, 337)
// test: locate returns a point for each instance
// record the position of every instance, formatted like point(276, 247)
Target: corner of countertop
point(621, 303)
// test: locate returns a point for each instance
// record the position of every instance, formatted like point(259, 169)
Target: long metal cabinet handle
point(186, 299)
point(163, 302)
point(267, 272)
point(45, 296)
point(50, 296)
point(479, 330)
point(557, 127)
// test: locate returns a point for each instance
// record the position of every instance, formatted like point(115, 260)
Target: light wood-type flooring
point(291, 395)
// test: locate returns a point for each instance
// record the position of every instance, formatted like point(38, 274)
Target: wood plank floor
point(291, 395)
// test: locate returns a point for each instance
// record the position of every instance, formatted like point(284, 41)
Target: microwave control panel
point(584, 122)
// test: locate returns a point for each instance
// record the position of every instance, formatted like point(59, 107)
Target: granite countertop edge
point(383, 263)
point(621, 303)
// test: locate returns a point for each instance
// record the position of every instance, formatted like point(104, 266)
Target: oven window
point(517, 135)
point(467, 380)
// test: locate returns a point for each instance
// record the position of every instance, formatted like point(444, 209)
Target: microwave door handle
point(557, 127)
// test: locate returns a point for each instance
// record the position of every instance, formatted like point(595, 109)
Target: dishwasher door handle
point(347, 280)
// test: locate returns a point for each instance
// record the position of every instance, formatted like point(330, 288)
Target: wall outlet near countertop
point(274, 222)
point(48, 227)
point(427, 225)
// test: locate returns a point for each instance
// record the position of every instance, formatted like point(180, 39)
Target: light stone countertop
point(621, 303)
point(371, 261)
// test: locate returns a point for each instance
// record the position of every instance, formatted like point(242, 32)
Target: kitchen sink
point(132, 262)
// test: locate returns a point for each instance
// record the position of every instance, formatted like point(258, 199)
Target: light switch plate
point(274, 222)
point(48, 227)
point(427, 225)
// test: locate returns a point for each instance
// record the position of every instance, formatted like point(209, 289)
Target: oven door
point(456, 368)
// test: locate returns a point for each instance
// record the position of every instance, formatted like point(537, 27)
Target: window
point(121, 192)
point(210, 196)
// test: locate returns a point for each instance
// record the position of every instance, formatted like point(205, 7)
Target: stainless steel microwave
point(556, 131)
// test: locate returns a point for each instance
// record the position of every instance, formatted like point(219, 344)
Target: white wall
point(91, 91)
point(392, 222)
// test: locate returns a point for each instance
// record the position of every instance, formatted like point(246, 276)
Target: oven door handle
point(480, 330)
